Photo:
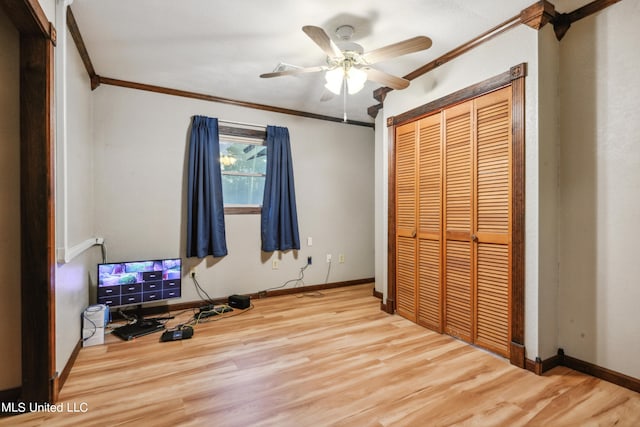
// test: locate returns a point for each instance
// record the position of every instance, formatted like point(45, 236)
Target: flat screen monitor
point(139, 282)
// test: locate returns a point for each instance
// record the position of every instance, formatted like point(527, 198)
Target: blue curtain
point(205, 222)
point(279, 214)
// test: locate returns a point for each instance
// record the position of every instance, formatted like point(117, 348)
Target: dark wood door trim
point(515, 77)
point(37, 40)
point(517, 354)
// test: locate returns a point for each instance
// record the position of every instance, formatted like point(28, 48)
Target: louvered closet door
point(429, 223)
point(406, 228)
point(458, 221)
point(493, 225)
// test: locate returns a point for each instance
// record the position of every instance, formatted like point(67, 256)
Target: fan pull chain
point(344, 99)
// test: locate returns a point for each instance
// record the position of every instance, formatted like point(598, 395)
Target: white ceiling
point(220, 47)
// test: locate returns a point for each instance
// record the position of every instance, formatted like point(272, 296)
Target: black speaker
point(239, 301)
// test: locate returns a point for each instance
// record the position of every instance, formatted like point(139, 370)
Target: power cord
point(326, 279)
point(217, 318)
point(200, 290)
point(103, 249)
point(95, 328)
point(299, 280)
point(130, 319)
point(201, 317)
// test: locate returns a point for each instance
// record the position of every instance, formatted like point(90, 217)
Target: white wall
point(49, 8)
point(381, 203)
point(140, 163)
point(72, 279)
point(599, 320)
point(494, 57)
point(548, 105)
point(10, 334)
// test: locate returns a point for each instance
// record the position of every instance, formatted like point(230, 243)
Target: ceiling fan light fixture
point(334, 80)
point(356, 79)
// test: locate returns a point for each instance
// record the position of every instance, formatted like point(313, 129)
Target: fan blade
point(386, 79)
point(414, 44)
point(293, 72)
point(320, 37)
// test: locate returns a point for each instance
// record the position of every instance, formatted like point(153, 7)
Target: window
point(243, 164)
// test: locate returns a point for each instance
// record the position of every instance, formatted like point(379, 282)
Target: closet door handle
point(474, 237)
point(413, 233)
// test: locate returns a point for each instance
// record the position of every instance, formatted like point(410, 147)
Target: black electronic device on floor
point(138, 329)
point(239, 301)
point(178, 334)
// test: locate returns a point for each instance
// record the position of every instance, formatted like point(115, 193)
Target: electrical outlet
point(309, 260)
point(328, 257)
point(275, 264)
point(309, 241)
point(341, 258)
point(192, 272)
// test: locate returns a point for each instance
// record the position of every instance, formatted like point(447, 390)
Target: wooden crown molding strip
point(29, 18)
point(72, 25)
point(380, 93)
point(538, 14)
point(469, 92)
point(374, 110)
point(212, 98)
point(590, 9)
point(562, 21)
point(96, 80)
point(535, 16)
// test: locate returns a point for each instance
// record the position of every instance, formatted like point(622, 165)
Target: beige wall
point(548, 104)
point(72, 278)
point(10, 336)
point(140, 181)
point(49, 8)
point(599, 320)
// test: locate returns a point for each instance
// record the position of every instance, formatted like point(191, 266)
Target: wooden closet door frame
point(37, 42)
point(515, 77)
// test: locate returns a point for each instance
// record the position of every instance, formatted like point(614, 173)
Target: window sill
point(243, 210)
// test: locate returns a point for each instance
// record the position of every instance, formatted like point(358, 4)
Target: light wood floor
point(330, 360)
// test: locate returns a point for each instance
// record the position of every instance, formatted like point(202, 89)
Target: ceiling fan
point(348, 66)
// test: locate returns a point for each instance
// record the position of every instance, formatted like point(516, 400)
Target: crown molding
point(535, 16)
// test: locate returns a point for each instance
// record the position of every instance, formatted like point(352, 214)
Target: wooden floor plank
point(334, 359)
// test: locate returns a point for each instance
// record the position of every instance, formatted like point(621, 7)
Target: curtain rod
point(231, 122)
